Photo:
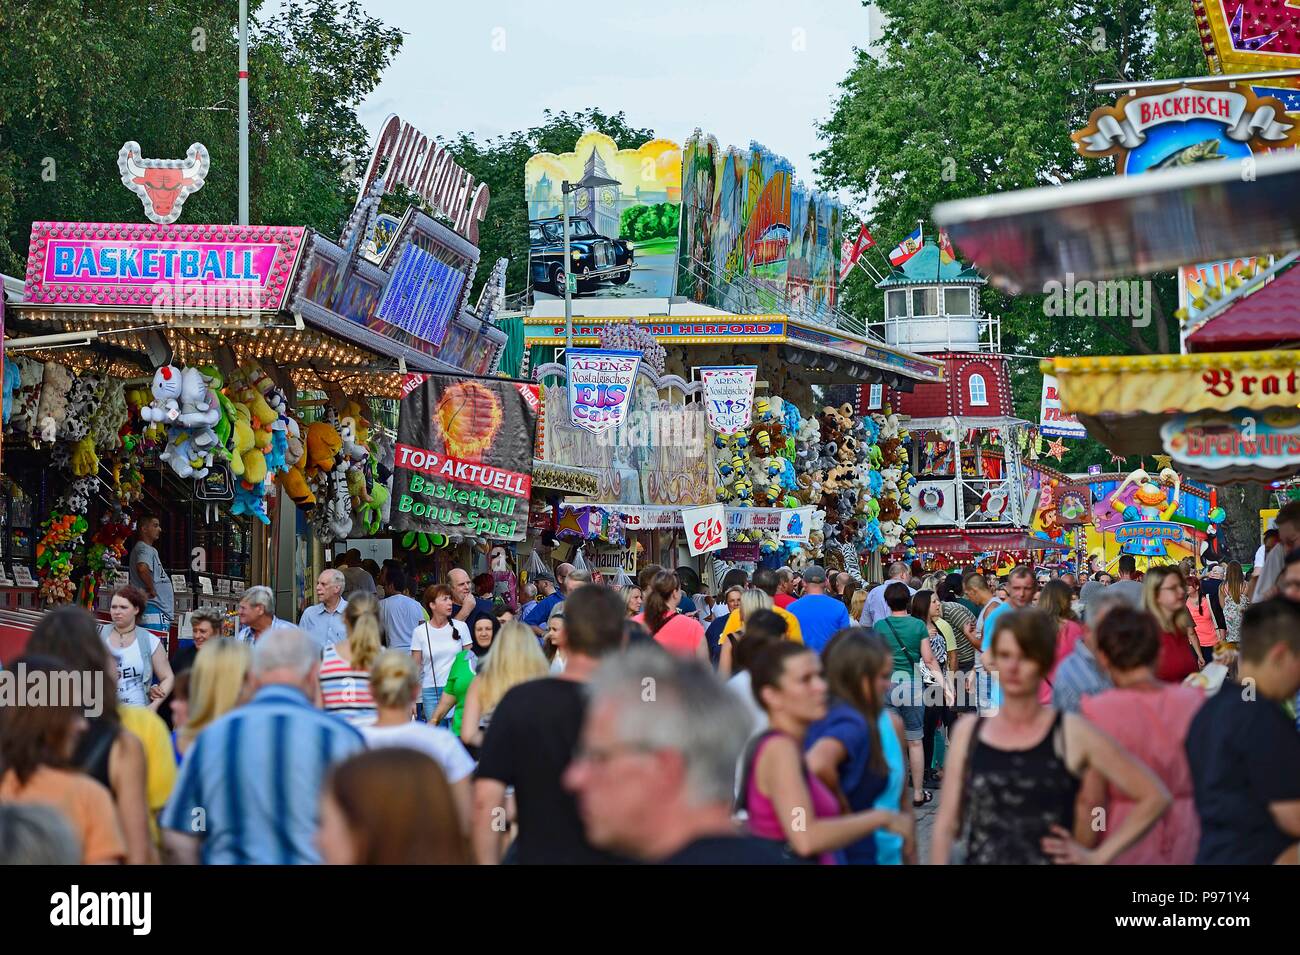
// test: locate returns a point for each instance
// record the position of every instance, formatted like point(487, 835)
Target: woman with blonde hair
point(345, 666)
point(218, 681)
point(395, 687)
point(1164, 596)
point(553, 642)
point(751, 601)
point(633, 599)
point(857, 604)
point(514, 658)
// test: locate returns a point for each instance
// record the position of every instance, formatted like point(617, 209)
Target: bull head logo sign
point(163, 185)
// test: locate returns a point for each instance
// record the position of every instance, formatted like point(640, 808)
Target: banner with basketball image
point(464, 458)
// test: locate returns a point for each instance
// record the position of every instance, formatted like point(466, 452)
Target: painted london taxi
point(595, 257)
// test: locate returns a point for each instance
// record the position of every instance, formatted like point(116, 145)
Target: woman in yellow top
point(751, 601)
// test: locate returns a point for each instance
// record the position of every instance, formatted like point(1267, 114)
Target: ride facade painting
point(623, 237)
point(753, 238)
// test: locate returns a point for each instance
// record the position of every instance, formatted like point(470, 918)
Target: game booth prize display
point(464, 455)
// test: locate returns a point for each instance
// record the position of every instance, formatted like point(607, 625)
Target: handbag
point(928, 676)
point(949, 690)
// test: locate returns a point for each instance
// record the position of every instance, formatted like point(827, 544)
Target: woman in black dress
point(1013, 777)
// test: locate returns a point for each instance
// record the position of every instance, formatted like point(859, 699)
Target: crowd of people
point(788, 717)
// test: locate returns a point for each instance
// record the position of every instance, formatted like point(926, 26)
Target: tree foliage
point(83, 78)
point(656, 220)
point(970, 97)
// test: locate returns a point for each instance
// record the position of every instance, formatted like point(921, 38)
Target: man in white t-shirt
point(1261, 554)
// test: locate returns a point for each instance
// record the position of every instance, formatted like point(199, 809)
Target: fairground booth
point(241, 382)
point(1225, 408)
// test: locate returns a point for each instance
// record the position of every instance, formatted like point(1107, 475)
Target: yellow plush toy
point(295, 485)
point(323, 443)
point(263, 416)
point(247, 461)
point(85, 461)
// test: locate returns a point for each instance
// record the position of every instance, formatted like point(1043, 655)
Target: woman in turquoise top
point(483, 630)
point(889, 844)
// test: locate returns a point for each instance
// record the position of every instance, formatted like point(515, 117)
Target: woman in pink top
point(675, 632)
point(1150, 719)
point(777, 787)
point(1055, 600)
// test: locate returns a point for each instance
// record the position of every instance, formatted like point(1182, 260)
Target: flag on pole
point(907, 248)
point(852, 250)
point(946, 254)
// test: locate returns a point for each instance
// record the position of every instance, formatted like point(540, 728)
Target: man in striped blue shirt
point(250, 785)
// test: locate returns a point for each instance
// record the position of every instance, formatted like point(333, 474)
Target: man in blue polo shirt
point(819, 614)
point(541, 613)
point(249, 789)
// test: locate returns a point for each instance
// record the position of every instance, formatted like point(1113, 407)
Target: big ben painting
point(623, 237)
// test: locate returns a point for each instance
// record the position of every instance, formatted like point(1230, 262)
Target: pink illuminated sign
point(112, 265)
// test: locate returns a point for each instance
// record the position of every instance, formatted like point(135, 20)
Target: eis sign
point(1182, 126)
point(706, 528)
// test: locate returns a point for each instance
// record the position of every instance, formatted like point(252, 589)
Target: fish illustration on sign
point(1205, 151)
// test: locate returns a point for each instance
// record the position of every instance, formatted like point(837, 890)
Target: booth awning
point(972, 541)
point(824, 355)
point(1221, 416)
point(564, 479)
point(1267, 318)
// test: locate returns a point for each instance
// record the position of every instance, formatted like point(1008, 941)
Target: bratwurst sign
point(464, 458)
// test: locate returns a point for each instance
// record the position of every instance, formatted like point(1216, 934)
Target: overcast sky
point(763, 70)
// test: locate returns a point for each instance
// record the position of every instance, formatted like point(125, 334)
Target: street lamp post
point(243, 112)
point(590, 181)
point(565, 189)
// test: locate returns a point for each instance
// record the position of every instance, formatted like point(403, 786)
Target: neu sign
point(427, 169)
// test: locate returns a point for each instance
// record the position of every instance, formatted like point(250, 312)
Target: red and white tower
point(969, 496)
